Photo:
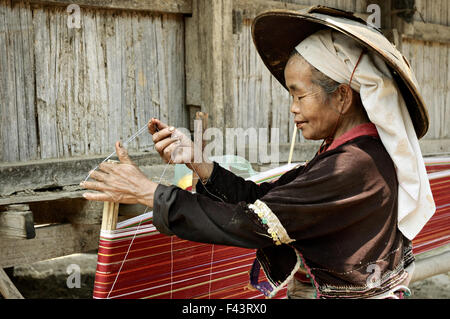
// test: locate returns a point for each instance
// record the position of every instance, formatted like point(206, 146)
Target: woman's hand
point(120, 182)
point(171, 144)
point(176, 148)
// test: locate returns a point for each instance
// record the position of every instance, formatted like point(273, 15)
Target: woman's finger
point(102, 197)
point(95, 186)
point(155, 125)
point(107, 167)
point(99, 176)
point(122, 154)
point(178, 153)
point(162, 145)
point(164, 133)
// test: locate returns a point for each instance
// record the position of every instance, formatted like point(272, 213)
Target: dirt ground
point(49, 280)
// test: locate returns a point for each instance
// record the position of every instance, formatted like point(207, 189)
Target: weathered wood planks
point(164, 6)
point(7, 288)
point(73, 92)
point(50, 242)
point(17, 222)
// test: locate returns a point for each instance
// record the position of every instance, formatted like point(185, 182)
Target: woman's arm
point(214, 181)
point(225, 186)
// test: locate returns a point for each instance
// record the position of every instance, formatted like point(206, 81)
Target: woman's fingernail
point(171, 129)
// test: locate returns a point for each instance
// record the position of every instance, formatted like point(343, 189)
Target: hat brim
point(277, 32)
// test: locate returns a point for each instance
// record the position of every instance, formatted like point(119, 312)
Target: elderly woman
point(330, 228)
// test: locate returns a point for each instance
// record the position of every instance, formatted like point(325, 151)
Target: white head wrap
point(336, 55)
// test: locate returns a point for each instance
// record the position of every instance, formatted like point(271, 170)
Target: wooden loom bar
point(110, 215)
point(110, 212)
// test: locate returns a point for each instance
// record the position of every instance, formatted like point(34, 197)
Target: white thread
point(210, 271)
point(140, 221)
point(131, 138)
point(212, 245)
point(134, 236)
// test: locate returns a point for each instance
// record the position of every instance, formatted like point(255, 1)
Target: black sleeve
point(337, 193)
point(225, 186)
point(198, 218)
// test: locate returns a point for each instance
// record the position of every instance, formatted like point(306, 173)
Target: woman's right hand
point(175, 147)
point(172, 145)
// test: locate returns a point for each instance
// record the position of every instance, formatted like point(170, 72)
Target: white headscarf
point(335, 55)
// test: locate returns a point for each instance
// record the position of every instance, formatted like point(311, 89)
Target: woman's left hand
point(120, 182)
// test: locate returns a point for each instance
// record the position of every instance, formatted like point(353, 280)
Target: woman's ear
point(344, 98)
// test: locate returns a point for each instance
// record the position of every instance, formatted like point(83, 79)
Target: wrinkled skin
point(120, 182)
point(320, 116)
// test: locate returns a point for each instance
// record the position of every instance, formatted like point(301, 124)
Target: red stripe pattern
point(158, 266)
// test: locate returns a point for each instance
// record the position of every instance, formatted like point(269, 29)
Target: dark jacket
point(336, 217)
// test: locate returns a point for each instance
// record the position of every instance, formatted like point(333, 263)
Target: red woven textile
point(158, 266)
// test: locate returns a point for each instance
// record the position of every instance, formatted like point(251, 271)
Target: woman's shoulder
point(357, 157)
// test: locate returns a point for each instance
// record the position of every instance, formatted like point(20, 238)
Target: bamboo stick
point(294, 135)
point(110, 213)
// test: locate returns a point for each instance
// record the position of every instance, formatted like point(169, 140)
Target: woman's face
point(314, 114)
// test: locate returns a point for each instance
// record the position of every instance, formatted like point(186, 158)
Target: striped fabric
point(158, 266)
point(436, 232)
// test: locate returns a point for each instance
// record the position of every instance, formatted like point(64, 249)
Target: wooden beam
point(431, 266)
point(435, 146)
point(251, 9)
point(418, 30)
point(54, 173)
point(50, 242)
point(17, 222)
point(7, 288)
point(33, 197)
point(110, 215)
point(162, 6)
point(209, 57)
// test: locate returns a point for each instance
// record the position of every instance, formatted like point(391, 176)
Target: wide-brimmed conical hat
point(277, 32)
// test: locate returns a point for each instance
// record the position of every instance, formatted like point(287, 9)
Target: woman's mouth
point(299, 124)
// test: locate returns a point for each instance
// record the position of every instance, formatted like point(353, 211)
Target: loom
point(135, 261)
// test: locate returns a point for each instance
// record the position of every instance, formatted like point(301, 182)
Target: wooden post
point(7, 288)
point(209, 59)
point(17, 222)
point(204, 118)
point(110, 213)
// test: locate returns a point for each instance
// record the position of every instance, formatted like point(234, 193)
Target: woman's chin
point(308, 136)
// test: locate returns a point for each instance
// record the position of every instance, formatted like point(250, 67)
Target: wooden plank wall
point(348, 5)
point(260, 100)
point(430, 61)
point(68, 92)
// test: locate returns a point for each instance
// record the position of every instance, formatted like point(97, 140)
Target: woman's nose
point(294, 107)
